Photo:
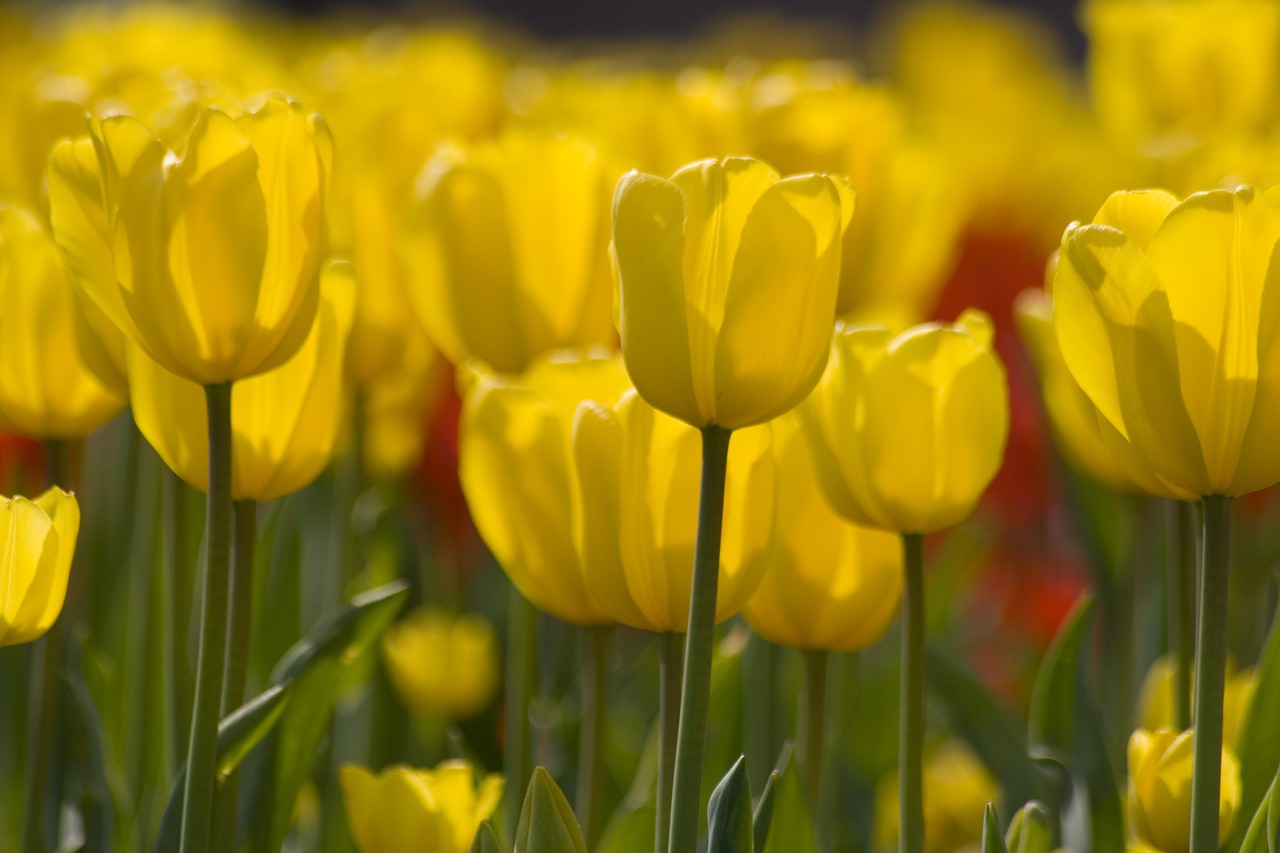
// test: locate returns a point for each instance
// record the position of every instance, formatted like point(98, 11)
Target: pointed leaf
point(763, 816)
point(547, 824)
point(1258, 744)
point(486, 840)
point(790, 830)
point(992, 841)
point(1029, 831)
point(729, 813)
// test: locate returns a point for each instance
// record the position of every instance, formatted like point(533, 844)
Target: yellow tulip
point(506, 249)
point(398, 407)
point(727, 284)
point(1160, 788)
point(829, 584)
point(1167, 321)
point(442, 666)
point(48, 389)
point(1156, 705)
point(907, 431)
point(517, 470)
point(209, 262)
point(1203, 67)
point(404, 810)
point(638, 477)
point(39, 540)
point(1087, 440)
point(956, 789)
point(284, 423)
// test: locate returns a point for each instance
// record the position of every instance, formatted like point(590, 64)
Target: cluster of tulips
point(716, 382)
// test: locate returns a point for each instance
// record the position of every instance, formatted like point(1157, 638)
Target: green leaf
point(317, 667)
point(547, 824)
point(88, 748)
point(729, 813)
point(1029, 831)
point(1258, 744)
point(763, 817)
point(1257, 838)
point(1065, 722)
point(992, 841)
point(789, 828)
point(238, 733)
point(486, 840)
point(993, 732)
point(631, 829)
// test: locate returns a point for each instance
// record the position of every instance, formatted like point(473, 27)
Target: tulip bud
point(406, 809)
point(37, 542)
point(1156, 699)
point(442, 666)
point(727, 283)
point(547, 823)
point(1160, 764)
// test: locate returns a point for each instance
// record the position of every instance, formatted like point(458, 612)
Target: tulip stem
point(239, 635)
point(670, 673)
point(911, 741)
point(197, 804)
point(180, 575)
point(522, 679)
point(595, 658)
point(812, 724)
point(1180, 519)
point(695, 694)
point(1211, 670)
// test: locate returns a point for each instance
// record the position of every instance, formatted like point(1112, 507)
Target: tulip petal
point(774, 340)
point(1138, 214)
point(33, 574)
point(649, 244)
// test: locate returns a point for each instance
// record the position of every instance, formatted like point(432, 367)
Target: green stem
point(911, 742)
point(1211, 667)
point(239, 635)
point(179, 575)
point(672, 669)
point(812, 725)
point(595, 653)
point(1180, 519)
point(686, 795)
point(40, 831)
point(522, 680)
point(197, 805)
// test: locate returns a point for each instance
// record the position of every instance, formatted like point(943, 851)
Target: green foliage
point(547, 824)
point(992, 841)
point(1030, 830)
point(782, 823)
point(486, 840)
point(1258, 745)
point(729, 828)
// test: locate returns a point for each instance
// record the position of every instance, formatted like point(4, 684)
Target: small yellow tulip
point(1166, 318)
point(284, 423)
point(506, 249)
point(907, 431)
point(443, 666)
point(48, 388)
point(638, 477)
point(1156, 707)
point(407, 811)
point(956, 789)
point(209, 261)
point(1087, 440)
point(727, 285)
point(37, 542)
point(829, 584)
point(1160, 788)
point(517, 470)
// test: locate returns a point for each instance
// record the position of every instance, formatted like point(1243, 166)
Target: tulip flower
point(39, 540)
point(403, 809)
point(1088, 441)
point(208, 262)
point(284, 422)
point(727, 284)
point(442, 666)
point(517, 469)
point(47, 387)
point(1156, 700)
point(1160, 789)
point(906, 432)
point(1166, 319)
point(506, 249)
point(637, 473)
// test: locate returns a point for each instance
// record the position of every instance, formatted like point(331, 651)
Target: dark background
point(647, 19)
